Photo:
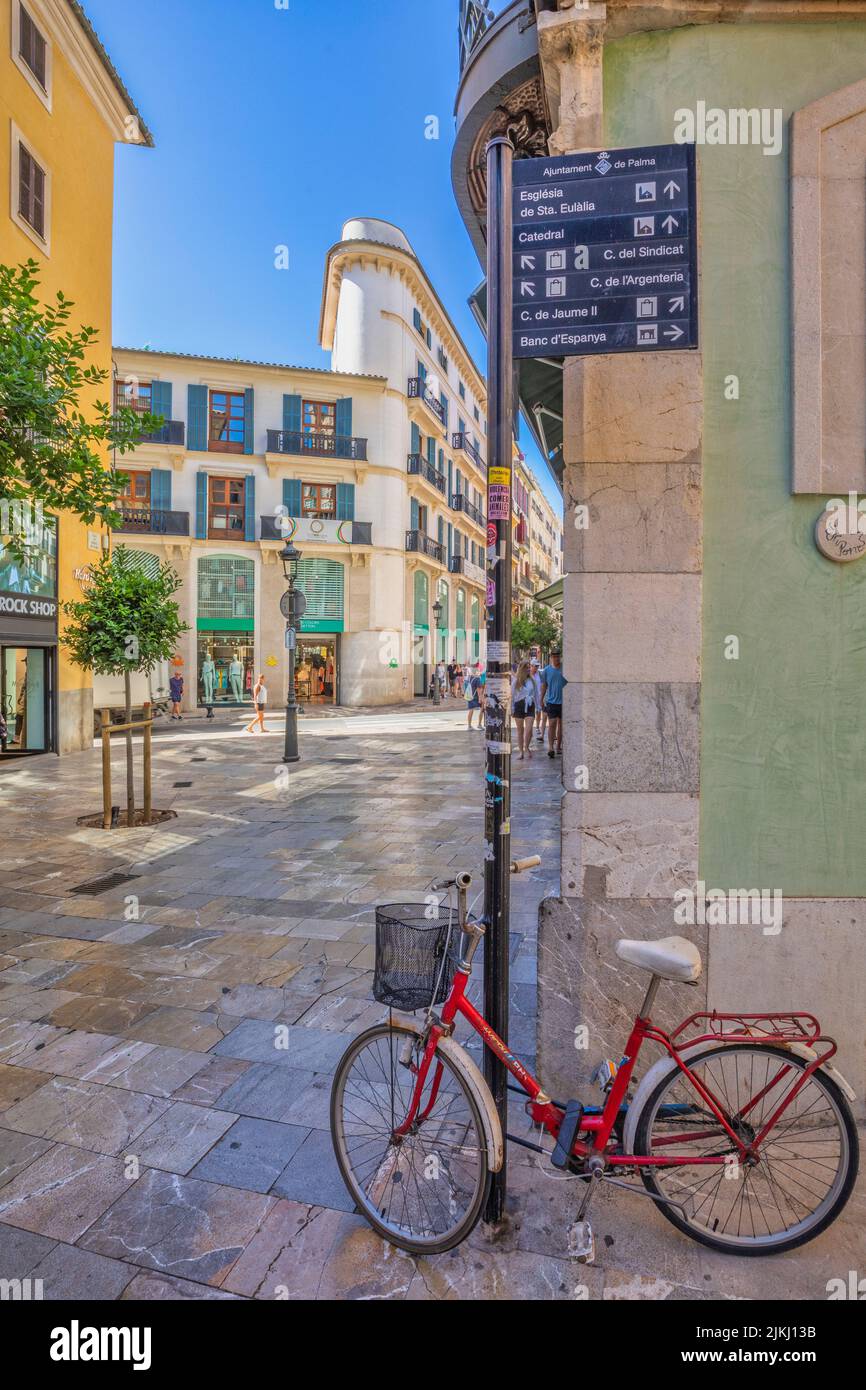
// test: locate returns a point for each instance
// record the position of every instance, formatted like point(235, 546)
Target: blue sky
point(272, 126)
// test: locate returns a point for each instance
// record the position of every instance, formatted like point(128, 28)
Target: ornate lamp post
point(437, 614)
point(291, 609)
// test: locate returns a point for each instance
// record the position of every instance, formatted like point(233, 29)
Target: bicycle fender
point(645, 1089)
point(470, 1073)
point(665, 1065)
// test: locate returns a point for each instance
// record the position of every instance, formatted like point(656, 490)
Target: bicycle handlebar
point(518, 866)
point(463, 880)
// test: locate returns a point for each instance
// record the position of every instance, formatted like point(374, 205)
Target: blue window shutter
point(444, 400)
point(292, 496)
point(344, 417)
point(345, 501)
point(200, 501)
point(450, 542)
point(196, 417)
point(429, 338)
point(160, 488)
point(160, 395)
point(422, 371)
point(459, 480)
point(431, 451)
point(292, 414)
point(416, 440)
point(248, 424)
point(250, 508)
point(416, 319)
point(440, 531)
point(414, 526)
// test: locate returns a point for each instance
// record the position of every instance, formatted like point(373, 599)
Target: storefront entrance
point(26, 700)
point(317, 669)
point(233, 676)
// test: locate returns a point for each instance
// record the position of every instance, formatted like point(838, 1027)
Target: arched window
point(460, 625)
point(444, 620)
point(422, 601)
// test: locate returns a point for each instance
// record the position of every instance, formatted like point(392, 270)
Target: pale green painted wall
point(783, 761)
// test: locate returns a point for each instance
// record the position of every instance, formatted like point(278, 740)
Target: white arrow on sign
point(670, 224)
point(677, 305)
point(673, 333)
point(527, 288)
point(672, 189)
point(527, 262)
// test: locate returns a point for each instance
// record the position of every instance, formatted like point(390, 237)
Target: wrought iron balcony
point(417, 389)
point(460, 503)
point(335, 446)
point(417, 464)
point(172, 432)
point(461, 440)
point(476, 16)
point(153, 523)
point(425, 545)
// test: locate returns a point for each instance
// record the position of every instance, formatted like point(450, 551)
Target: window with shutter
point(31, 191)
point(321, 583)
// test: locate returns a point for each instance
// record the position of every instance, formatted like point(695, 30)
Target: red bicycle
point(741, 1132)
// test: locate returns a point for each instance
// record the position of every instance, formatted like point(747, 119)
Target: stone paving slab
point(168, 1039)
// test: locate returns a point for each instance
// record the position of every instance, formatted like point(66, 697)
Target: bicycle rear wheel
point(808, 1160)
point(425, 1191)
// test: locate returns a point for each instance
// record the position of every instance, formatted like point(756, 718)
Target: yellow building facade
point(63, 108)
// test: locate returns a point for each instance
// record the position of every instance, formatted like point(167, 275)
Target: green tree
point(522, 634)
point(547, 627)
point(52, 450)
point(126, 622)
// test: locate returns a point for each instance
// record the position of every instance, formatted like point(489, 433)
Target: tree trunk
point(130, 767)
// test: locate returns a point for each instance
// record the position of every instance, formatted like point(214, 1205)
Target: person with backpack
point(552, 685)
point(474, 695)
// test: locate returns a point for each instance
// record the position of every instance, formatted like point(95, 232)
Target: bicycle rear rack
point(741, 1027)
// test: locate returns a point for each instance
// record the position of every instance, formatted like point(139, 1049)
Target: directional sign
point(291, 639)
point(605, 252)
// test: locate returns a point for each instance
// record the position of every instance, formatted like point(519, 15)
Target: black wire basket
point(414, 947)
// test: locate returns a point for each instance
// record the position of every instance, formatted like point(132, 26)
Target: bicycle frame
point(594, 1135)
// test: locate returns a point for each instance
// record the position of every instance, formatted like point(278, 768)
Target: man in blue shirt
point(552, 683)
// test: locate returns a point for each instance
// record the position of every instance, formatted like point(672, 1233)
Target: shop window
point(226, 588)
point(226, 508)
point(226, 422)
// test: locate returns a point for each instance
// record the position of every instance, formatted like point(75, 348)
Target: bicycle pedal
point(567, 1131)
point(581, 1242)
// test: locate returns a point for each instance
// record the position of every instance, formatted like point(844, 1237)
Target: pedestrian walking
point(540, 715)
point(523, 694)
point(175, 690)
point(441, 676)
point(474, 695)
point(552, 685)
point(260, 698)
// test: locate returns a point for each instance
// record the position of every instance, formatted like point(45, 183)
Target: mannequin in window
point(236, 675)
point(208, 675)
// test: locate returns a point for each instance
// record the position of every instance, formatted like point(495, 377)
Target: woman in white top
point(260, 696)
point(523, 703)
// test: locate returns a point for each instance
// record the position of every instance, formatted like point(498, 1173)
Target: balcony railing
point(475, 19)
point(461, 440)
point(172, 432)
point(425, 545)
point(154, 523)
point(423, 468)
point(460, 503)
point(416, 389)
point(335, 446)
point(353, 532)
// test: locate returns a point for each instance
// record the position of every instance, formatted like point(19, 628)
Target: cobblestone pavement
point(153, 1143)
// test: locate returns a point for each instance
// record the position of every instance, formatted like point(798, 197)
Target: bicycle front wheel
point(423, 1191)
point(806, 1164)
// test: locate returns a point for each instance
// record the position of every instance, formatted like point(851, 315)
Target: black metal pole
point(290, 747)
point(497, 716)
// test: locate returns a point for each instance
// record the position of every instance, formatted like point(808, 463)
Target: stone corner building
point(716, 659)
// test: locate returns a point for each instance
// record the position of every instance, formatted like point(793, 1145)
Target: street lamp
point(437, 614)
point(289, 606)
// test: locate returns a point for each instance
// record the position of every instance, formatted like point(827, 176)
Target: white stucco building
point(376, 468)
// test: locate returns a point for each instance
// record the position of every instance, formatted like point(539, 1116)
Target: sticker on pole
point(491, 594)
point(499, 651)
point(503, 748)
point(498, 502)
point(499, 475)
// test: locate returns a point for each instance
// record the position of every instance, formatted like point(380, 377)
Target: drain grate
point(103, 885)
